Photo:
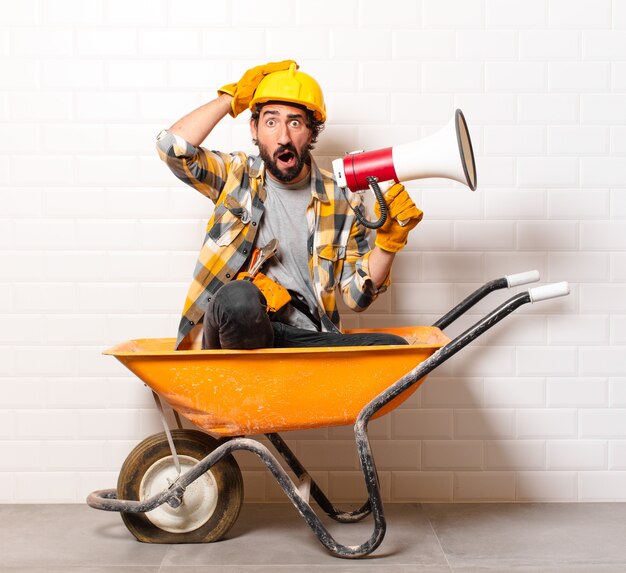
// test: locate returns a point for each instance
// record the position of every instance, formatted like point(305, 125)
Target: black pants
point(236, 318)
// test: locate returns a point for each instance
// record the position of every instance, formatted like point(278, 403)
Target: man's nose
point(284, 136)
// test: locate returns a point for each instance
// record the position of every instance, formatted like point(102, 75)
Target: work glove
point(244, 89)
point(392, 236)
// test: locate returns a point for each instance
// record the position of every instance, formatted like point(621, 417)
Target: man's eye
point(295, 123)
point(270, 123)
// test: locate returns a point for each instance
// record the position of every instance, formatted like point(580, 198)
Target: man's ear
point(253, 129)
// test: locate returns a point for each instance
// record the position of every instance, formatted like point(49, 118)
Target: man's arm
point(366, 270)
point(196, 125)
point(180, 148)
point(380, 262)
point(392, 236)
point(233, 98)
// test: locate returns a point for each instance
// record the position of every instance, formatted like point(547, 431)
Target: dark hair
point(312, 123)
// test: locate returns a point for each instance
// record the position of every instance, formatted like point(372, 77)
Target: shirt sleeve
point(357, 287)
point(204, 170)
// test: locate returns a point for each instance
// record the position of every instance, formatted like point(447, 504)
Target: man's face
point(283, 139)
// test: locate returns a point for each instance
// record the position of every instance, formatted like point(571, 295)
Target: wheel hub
point(198, 502)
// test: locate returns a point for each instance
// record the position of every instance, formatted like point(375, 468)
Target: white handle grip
point(548, 291)
point(522, 278)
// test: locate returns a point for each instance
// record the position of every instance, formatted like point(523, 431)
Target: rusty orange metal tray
point(244, 392)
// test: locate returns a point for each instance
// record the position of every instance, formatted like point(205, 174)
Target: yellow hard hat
point(291, 86)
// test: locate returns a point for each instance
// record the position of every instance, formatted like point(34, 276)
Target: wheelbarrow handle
point(536, 294)
point(545, 292)
point(522, 278)
point(508, 281)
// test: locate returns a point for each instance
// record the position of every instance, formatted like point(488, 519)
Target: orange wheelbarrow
point(184, 486)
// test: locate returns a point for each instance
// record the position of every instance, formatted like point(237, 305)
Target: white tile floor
point(433, 538)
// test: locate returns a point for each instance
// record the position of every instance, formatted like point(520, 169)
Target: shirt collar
point(258, 168)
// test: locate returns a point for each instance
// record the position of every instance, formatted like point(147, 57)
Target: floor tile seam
point(432, 528)
point(79, 568)
point(80, 565)
point(323, 567)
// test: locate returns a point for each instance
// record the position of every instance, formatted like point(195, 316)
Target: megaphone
point(447, 154)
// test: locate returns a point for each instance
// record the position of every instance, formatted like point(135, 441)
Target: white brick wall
point(98, 240)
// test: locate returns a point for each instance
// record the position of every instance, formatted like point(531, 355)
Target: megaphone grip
point(358, 213)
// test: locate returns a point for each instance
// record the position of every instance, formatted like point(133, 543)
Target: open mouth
point(287, 158)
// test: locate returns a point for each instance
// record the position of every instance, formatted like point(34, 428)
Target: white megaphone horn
point(447, 153)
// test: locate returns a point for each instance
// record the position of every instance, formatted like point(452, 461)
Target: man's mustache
point(286, 148)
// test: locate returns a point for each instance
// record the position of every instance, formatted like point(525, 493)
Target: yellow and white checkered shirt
point(338, 245)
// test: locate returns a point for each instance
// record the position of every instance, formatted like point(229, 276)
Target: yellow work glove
point(244, 89)
point(392, 236)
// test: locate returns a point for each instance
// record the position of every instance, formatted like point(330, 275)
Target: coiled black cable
point(358, 211)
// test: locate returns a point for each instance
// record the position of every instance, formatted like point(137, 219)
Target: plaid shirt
point(338, 246)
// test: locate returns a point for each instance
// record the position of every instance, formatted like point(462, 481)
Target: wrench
point(265, 253)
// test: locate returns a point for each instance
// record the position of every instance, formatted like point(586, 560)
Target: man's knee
point(239, 301)
point(236, 318)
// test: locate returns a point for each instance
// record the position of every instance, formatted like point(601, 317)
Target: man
point(283, 195)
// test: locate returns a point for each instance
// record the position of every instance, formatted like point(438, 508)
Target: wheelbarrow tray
point(246, 392)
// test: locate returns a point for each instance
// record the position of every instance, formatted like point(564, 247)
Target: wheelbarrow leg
point(168, 433)
point(307, 512)
point(294, 495)
point(318, 495)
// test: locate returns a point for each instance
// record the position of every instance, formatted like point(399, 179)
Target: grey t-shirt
point(285, 219)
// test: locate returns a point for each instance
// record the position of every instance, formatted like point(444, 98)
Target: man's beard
point(302, 157)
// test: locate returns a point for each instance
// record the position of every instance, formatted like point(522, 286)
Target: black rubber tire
point(188, 443)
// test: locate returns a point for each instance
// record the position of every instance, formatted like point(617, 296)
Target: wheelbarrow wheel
point(210, 504)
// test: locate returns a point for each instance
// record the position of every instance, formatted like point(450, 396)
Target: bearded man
point(280, 195)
